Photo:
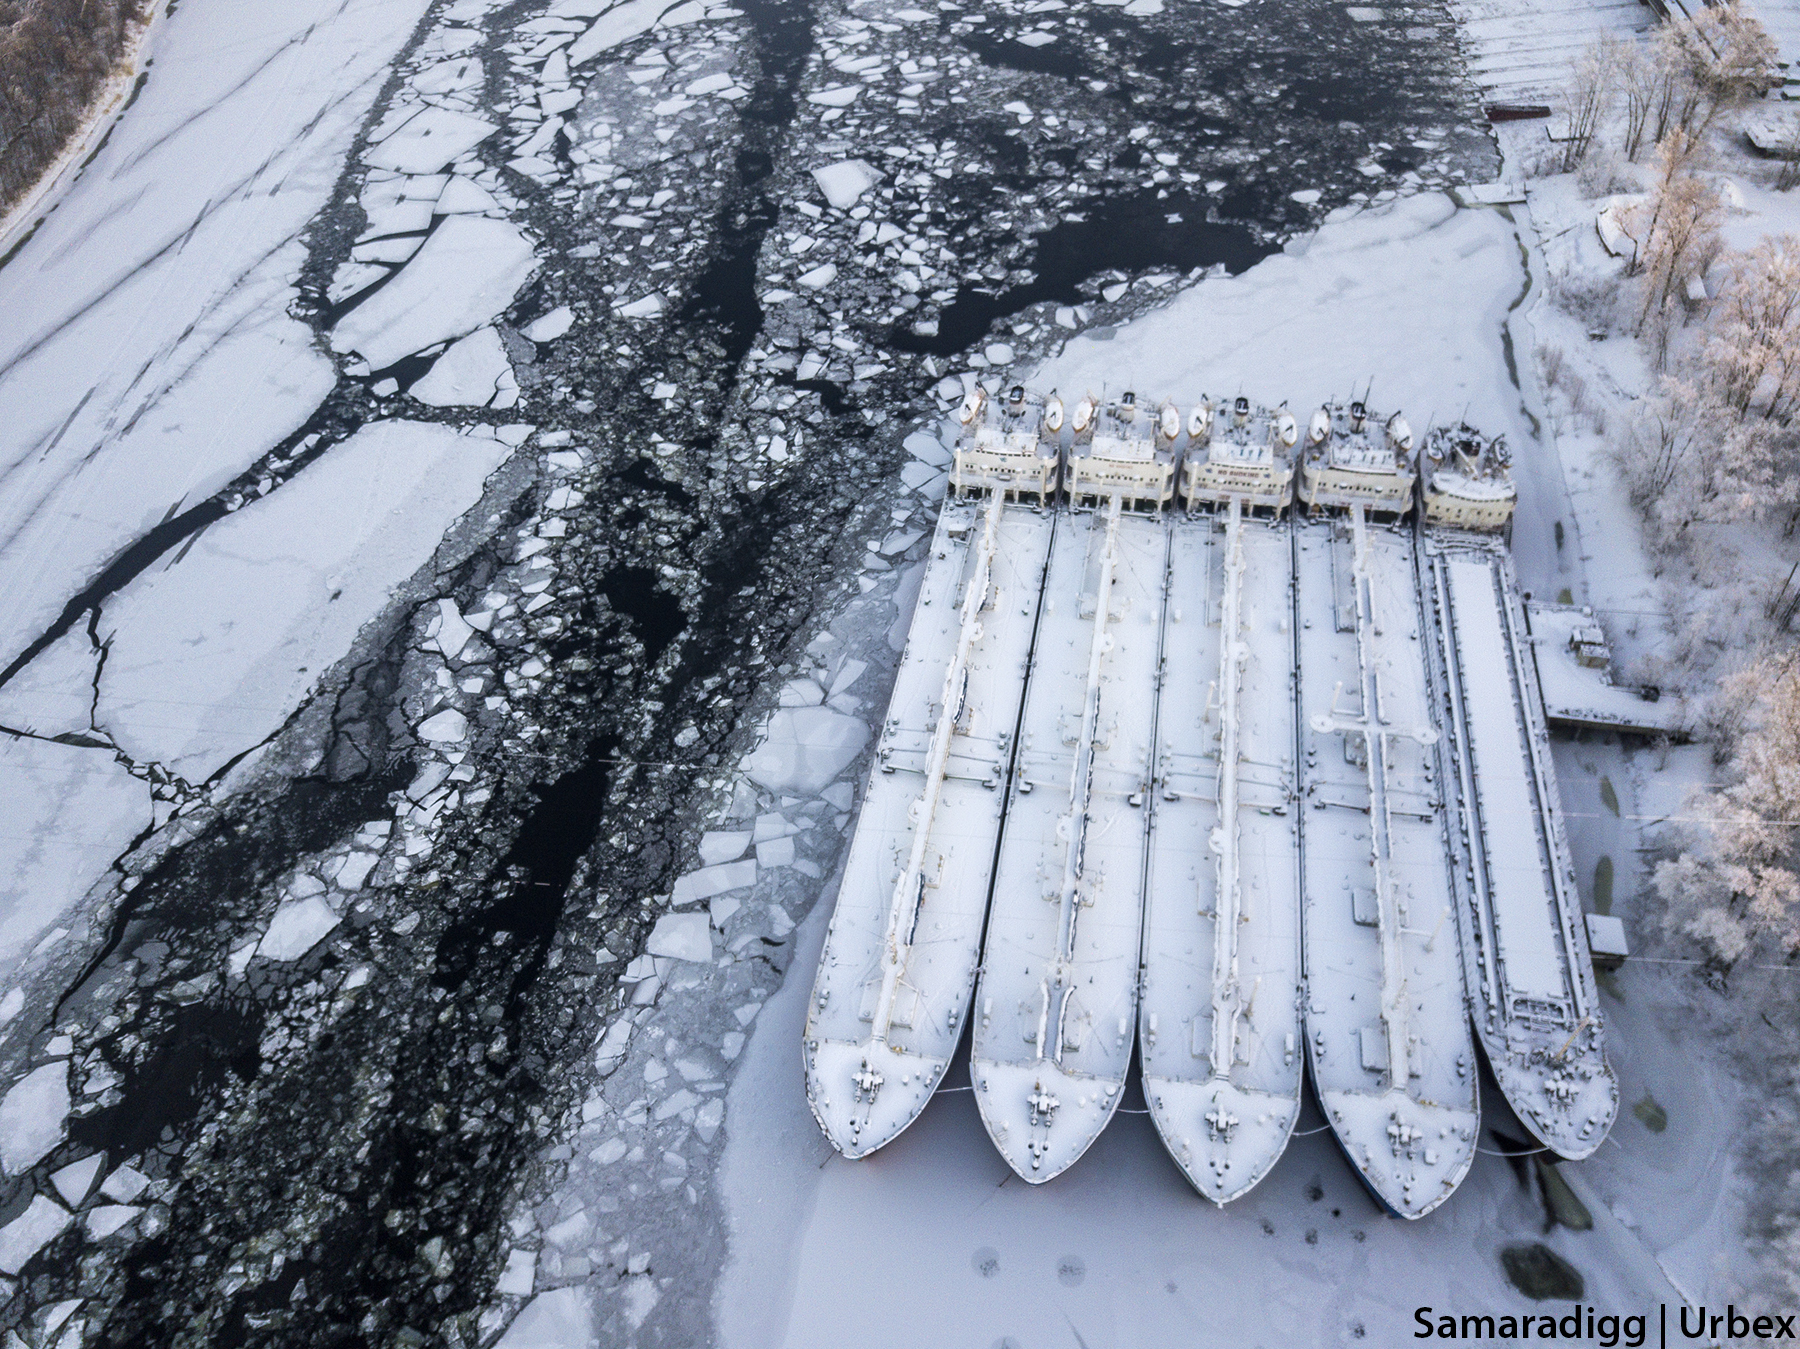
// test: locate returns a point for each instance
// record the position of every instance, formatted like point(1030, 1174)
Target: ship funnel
point(1200, 422)
point(1318, 430)
point(1240, 411)
point(1502, 452)
point(1399, 432)
point(1358, 415)
point(971, 405)
point(1015, 397)
point(1287, 430)
point(1128, 399)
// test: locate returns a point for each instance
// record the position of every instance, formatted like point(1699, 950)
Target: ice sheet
point(467, 272)
point(69, 811)
point(132, 331)
point(210, 655)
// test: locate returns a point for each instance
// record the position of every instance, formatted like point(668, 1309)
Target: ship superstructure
point(1387, 1025)
point(1122, 450)
point(1239, 451)
point(899, 962)
point(1468, 479)
point(1249, 791)
point(1009, 444)
point(1352, 457)
point(1524, 941)
point(1219, 1027)
point(1056, 1008)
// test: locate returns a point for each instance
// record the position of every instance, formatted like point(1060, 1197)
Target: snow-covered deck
point(1524, 51)
point(894, 982)
point(1581, 696)
point(1056, 1008)
point(1219, 1026)
point(1525, 951)
point(1387, 1030)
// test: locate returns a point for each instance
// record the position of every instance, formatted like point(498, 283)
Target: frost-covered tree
point(1694, 70)
point(1730, 60)
point(1734, 886)
point(54, 57)
point(1676, 226)
point(1589, 98)
point(1752, 352)
point(1687, 458)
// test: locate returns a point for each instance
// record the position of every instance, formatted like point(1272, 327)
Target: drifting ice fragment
point(102, 1222)
point(446, 727)
point(819, 277)
point(297, 928)
point(651, 305)
point(683, 936)
point(840, 97)
point(430, 139)
point(924, 445)
point(806, 748)
point(125, 1185)
point(467, 273)
point(453, 632)
point(518, 1276)
point(777, 852)
point(714, 880)
point(75, 1180)
point(552, 325)
point(462, 197)
point(619, 24)
point(844, 182)
point(467, 375)
point(32, 1115)
point(40, 1224)
point(558, 1319)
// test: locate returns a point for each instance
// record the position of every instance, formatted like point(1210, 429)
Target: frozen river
point(437, 441)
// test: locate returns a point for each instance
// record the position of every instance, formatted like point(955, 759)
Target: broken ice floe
point(32, 1115)
point(805, 748)
point(682, 936)
point(428, 140)
point(41, 1223)
point(844, 183)
point(466, 273)
point(296, 928)
point(263, 601)
point(473, 372)
point(552, 325)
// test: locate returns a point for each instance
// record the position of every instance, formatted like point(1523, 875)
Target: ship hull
point(1219, 1023)
point(1523, 938)
point(1056, 1007)
point(926, 1001)
point(1388, 1036)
